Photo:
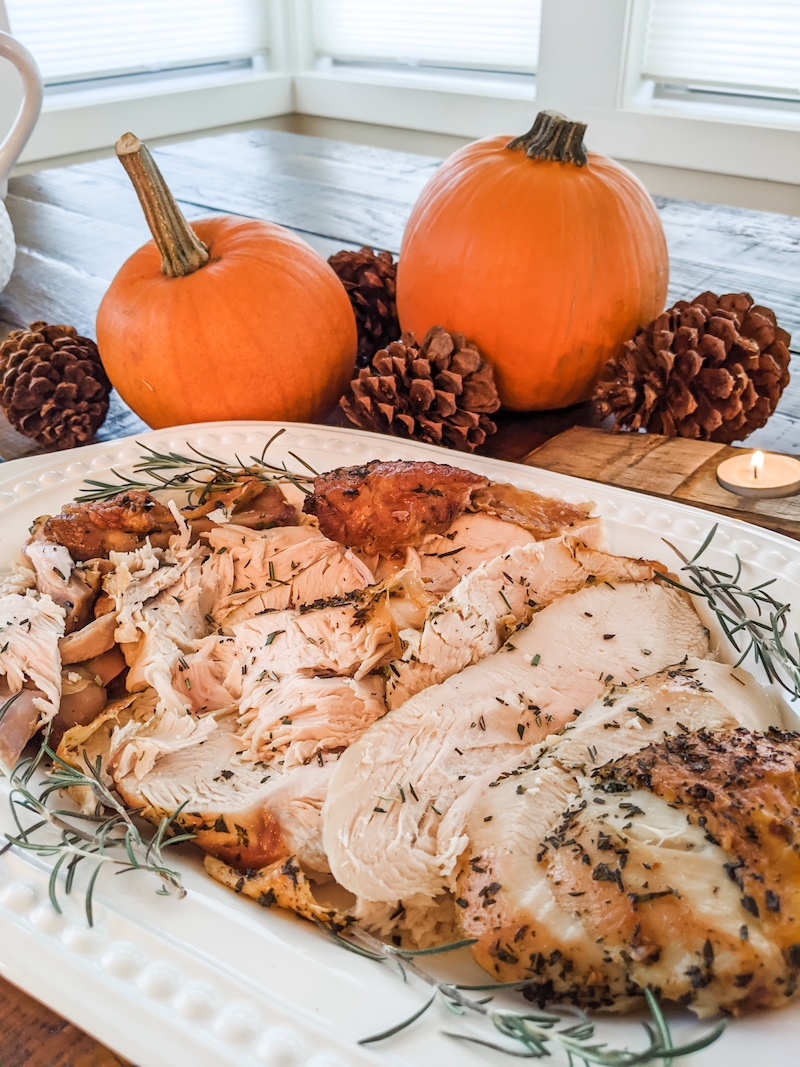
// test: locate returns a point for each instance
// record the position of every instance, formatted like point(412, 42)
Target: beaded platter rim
point(214, 981)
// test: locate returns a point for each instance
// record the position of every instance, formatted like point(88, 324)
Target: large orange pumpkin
point(544, 255)
point(233, 318)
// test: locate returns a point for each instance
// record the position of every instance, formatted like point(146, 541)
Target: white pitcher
point(15, 140)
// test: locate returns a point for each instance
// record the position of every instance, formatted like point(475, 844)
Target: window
point(90, 39)
point(726, 45)
point(466, 34)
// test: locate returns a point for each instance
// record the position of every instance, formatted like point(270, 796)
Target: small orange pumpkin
point(232, 318)
point(544, 255)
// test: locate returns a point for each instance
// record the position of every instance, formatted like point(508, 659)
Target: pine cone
point(713, 369)
point(369, 279)
point(52, 385)
point(441, 391)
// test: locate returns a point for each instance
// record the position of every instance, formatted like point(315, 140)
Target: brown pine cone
point(713, 369)
point(441, 391)
point(369, 279)
point(52, 385)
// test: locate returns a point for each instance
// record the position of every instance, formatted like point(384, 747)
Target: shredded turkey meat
point(30, 668)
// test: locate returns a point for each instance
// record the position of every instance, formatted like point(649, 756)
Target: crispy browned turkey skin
point(94, 529)
point(677, 866)
point(382, 507)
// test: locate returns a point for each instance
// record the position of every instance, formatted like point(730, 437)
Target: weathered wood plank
point(756, 241)
point(665, 467)
point(76, 226)
point(33, 1036)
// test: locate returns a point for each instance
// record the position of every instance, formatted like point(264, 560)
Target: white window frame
point(591, 75)
point(84, 119)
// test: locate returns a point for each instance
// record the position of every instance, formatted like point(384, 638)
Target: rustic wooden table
point(75, 227)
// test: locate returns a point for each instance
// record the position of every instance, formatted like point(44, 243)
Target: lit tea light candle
point(760, 475)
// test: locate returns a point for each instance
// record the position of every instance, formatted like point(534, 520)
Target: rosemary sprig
point(196, 473)
point(536, 1034)
point(753, 620)
point(106, 836)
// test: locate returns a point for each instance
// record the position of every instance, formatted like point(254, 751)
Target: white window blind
point(77, 39)
point(474, 34)
point(725, 43)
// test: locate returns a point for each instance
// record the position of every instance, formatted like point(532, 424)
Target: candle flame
point(756, 464)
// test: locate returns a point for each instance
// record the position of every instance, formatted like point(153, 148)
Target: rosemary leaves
point(197, 474)
point(106, 836)
point(754, 621)
point(529, 1033)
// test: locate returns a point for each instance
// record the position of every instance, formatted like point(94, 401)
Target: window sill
point(743, 141)
point(696, 138)
point(420, 100)
point(86, 119)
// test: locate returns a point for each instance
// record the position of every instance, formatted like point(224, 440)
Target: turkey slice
point(269, 570)
point(433, 756)
point(298, 717)
point(489, 603)
point(442, 559)
point(346, 636)
point(508, 895)
point(247, 814)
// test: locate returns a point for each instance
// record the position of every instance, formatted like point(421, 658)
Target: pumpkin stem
point(553, 137)
point(182, 252)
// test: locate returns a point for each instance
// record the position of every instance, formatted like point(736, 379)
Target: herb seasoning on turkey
point(441, 692)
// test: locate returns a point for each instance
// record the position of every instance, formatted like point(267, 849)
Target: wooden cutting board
point(662, 466)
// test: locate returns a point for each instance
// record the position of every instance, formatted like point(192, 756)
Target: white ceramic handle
point(29, 109)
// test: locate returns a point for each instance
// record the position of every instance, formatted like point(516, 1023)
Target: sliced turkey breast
point(270, 570)
point(298, 717)
point(137, 578)
point(162, 603)
point(30, 628)
point(508, 894)
point(678, 865)
point(211, 677)
point(434, 755)
point(490, 602)
point(348, 635)
point(247, 814)
point(476, 538)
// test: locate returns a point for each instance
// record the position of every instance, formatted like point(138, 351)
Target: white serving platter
point(212, 980)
